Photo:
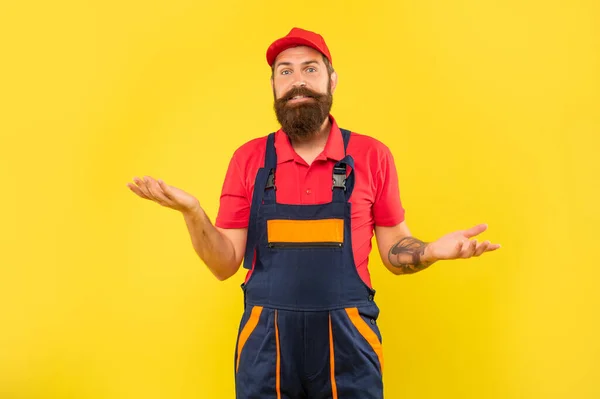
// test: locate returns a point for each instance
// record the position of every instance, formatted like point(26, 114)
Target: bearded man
point(300, 207)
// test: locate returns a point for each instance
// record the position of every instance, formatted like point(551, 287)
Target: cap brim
point(285, 43)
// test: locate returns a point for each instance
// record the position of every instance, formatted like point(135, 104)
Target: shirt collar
point(334, 147)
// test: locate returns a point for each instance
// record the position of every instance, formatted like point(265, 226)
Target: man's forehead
point(299, 55)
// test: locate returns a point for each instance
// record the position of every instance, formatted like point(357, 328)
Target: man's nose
point(299, 83)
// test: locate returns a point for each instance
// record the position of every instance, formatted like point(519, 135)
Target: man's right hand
point(165, 195)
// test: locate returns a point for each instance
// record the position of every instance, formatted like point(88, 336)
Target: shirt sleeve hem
point(390, 222)
point(230, 224)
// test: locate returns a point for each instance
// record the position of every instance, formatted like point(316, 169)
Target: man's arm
point(403, 254)
point(400, 252)
point(222, 250)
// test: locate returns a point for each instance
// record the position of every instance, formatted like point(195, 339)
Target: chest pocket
point(320, 233)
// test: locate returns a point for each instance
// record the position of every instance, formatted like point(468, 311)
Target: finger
point(469, 249)
point(472, 248)
point(481, 248)
point(149, 189)
point(166, 189)
point(158, 193)
point(493, 247)
point(142, 186)
point(137, 190)
point(464, 249)
point(473, 231)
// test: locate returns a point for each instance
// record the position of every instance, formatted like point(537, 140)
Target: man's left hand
point(458, 245)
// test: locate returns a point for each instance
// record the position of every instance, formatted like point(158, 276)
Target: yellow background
point(491, 109)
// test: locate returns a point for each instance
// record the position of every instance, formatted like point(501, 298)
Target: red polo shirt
point(375, 199)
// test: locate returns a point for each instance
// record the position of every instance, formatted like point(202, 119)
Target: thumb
point(473, 231)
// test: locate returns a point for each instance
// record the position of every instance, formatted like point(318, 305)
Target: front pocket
point(247, 331)
point(305, 245)
point(320, 233)
point(367, 333)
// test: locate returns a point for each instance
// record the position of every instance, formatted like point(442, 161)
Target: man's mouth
point(299, 98)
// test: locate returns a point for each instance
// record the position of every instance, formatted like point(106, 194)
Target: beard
point(302, 120)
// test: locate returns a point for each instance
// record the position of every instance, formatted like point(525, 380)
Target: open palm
point(163, 194)
point(459, 245)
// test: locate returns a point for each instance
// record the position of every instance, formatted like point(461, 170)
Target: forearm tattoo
point(406, 255)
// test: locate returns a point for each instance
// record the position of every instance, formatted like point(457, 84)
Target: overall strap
point(346, 137)
point(265, 180)
point(270, 165)
point(342, 185)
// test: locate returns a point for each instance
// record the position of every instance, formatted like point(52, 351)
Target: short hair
point(328, 65)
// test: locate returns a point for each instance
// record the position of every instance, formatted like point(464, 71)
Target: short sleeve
point(387, 208)
point(234, 207)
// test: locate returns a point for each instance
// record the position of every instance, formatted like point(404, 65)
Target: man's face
point(303, 90)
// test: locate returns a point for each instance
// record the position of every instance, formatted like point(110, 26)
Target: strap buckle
point(271, 181)
point(339, 177)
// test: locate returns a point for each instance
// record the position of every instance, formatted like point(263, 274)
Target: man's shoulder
point(251, 154)
point(252, 146)
point(364, 144)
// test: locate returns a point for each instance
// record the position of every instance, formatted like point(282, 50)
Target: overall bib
point(309, 324)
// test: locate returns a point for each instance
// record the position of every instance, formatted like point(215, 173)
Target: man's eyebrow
point(282, 63)
point(289, 63)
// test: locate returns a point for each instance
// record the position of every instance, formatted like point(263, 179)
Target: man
point(300, 207)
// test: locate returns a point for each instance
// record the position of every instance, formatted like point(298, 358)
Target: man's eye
point(311, 69)
point(286, 72)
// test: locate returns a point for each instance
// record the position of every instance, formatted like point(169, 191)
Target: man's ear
point(334, 80)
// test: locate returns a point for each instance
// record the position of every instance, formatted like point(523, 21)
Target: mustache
point(301, 91)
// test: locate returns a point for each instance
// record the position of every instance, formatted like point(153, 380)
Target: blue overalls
point(309, 324)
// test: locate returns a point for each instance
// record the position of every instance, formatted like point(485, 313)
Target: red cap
point(297, 37)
